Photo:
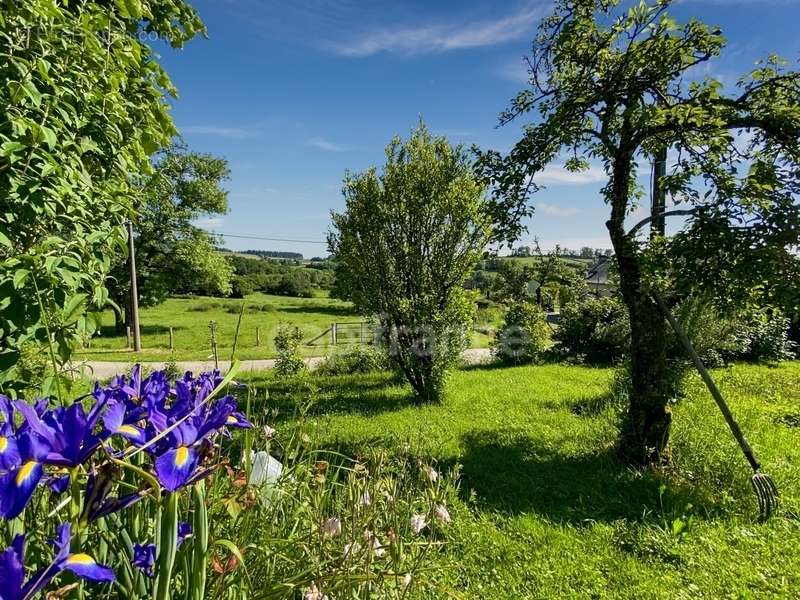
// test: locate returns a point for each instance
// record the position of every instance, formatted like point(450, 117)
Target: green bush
point(524, 336)
point(289, 362)
point(765, 338)
point(205, 306)
point(354, 360)
point(596, 331)
point(243, 285)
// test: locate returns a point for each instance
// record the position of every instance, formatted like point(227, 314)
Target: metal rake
point(765, 489)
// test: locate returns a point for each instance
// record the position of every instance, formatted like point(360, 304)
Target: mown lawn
point(190, 318)
point(546, 511)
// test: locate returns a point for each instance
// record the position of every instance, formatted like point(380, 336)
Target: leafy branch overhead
point(617, 84)
point(84, 107)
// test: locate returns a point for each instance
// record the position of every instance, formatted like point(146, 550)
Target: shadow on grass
point(362, 395)
point(510, 472)
point(111, 331)
point(333, 311)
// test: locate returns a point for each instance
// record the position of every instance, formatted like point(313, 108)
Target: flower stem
point(167, 546)
point(200, 546)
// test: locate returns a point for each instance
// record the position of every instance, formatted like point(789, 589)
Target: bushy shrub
point(355, 359)
point(243, 285)
point(524, 336)
point(765, 338)
point(715, 338)
point(595, 331)
point(289, 362)
point(756, 335)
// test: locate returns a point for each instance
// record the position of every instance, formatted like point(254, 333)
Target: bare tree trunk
point(644, 437)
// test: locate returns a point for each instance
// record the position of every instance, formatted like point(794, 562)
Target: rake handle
point(712, 387)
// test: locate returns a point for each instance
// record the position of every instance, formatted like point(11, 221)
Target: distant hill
point(267, 254)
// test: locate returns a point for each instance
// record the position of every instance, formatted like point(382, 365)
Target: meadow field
point(545, 510)
point(190, 318)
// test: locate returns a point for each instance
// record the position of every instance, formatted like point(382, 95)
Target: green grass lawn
point(546, 511)
point(190, 317)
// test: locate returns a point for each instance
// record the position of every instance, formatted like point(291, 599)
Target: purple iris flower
point(144, 558)
point(179, 453)
point(9, 451)
point(58, 484)
point(184, 532)
point(12, 567)
point(19, 482)
point(118, 420)
point(68, 430)
point(176, 465)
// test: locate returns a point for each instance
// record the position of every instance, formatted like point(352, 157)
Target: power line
point(268, 239)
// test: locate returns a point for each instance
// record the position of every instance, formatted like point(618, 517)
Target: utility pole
point(659, 201)
point(137, 337)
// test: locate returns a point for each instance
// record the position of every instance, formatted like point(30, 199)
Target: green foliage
point(288, 362)
point(355, 360)
point(84, 106)
point(545, 507)
point(172, 254)
point(611, 82)
point(325, 523)
point(404, 246)
point(765, 338)
point(524, 335)
point(595, 331)
point(280, 278)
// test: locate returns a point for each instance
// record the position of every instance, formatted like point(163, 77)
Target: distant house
point(597, 278)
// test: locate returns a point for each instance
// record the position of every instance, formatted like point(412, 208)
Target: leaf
point(49, 136)
point(5, 241)
point(73, 308)
point(19, 277)
point(11, 148)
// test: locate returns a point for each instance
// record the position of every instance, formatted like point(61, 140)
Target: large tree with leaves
point(173, 255)
point(613, 83)
point(406, 242)
point(84, 106)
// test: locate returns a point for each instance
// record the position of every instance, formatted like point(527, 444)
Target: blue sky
point(293, 93)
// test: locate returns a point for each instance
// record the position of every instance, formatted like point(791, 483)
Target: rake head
point(767, 494)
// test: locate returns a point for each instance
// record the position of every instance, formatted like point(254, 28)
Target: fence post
point(361, 336)
point(213, 327)
point(171, 339)
point(258, 336)
point(128, 336)
point(334, 334)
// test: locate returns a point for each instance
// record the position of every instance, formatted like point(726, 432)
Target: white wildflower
point(440, 512)
point(313, 593)
point(418, 523)
point(374, 543)
point(351, 548)
point(332, 527)
point(430, 473)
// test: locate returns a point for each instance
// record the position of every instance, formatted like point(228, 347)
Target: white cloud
point(559, 175)
point(444, 37)
point(516, 71)
point(236, 133)
point(209, 222)
point(554, 210)
point(328, 146)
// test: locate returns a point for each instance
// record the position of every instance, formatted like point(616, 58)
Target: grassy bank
point(546, 510)
point(190, 318)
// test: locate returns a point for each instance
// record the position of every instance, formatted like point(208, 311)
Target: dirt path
point(105, 369)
